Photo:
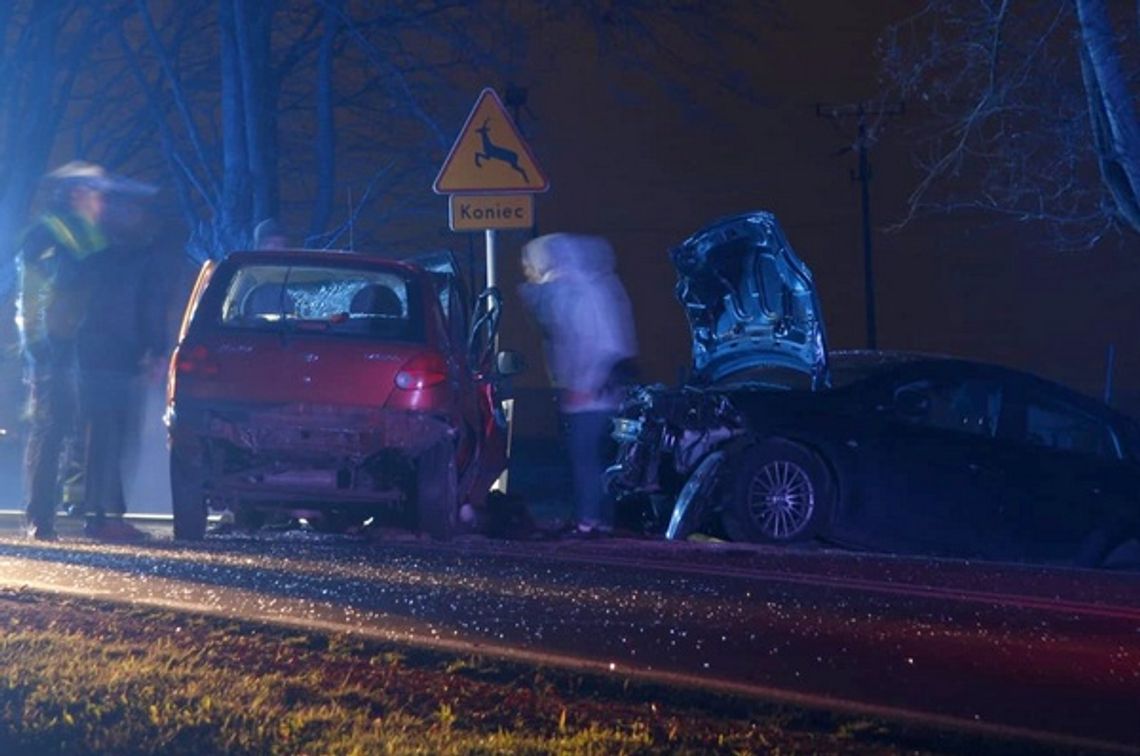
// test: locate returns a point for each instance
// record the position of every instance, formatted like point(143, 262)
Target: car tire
point(437, 491)
point(782, 493)
point(188, 501)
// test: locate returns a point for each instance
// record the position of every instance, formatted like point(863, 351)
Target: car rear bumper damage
point(304, 452)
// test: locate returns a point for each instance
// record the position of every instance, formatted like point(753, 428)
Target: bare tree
point(1112, 108)
point(1032, 112)
point(255, 109)
point(45, 56)
point(204, 69)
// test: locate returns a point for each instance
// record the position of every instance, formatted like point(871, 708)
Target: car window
point(335, 300)
point(1057, 425)
point(969, 406)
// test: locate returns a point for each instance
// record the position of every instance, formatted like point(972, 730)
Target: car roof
point(318, 257)
point(873, 359)
point(886, 358)
point(876, 361)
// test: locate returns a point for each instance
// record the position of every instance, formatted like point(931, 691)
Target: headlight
point(625, 430)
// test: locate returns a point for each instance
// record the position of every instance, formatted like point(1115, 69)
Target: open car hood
point(751, 304)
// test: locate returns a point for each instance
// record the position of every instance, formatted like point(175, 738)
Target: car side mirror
point(509, 362)
point(912, 404)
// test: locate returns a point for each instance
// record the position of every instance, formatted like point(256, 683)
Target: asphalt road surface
point(1047, 653)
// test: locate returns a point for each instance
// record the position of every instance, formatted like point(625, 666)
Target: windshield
point(337, 300)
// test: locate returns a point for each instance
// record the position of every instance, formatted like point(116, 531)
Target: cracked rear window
point(336, 300)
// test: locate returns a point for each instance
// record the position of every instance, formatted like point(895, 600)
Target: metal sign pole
point(507, 406)
point(489, 235)
point(491, 177)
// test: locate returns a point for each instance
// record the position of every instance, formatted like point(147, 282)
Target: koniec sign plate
point(475, 212)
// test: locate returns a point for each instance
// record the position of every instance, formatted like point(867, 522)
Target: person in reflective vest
point(51, 303)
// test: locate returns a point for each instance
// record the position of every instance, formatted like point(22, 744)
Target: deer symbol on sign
point(492, 151)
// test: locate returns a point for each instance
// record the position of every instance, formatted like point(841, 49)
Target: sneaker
point(586, 531)
point(222, 527)
point(41, 533)
point(113, 529)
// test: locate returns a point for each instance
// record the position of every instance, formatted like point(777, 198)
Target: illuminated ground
point(1029, 652)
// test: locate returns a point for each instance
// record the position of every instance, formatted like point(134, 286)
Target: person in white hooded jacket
point(574, 294)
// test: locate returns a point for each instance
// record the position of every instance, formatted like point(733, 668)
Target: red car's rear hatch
point(331, 329)
point(270, 368)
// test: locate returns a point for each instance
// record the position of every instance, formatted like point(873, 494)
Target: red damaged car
point(337, 387)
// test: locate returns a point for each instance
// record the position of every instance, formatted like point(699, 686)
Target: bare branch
point(174, 82)
point(1008, 117)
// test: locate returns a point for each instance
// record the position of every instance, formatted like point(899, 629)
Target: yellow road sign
point(489, 156)
point(476, 212)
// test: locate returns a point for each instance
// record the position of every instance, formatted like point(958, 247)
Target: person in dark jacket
point(123, 336)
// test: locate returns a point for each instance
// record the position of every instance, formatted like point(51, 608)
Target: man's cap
point(267, 229)
point(82, 173)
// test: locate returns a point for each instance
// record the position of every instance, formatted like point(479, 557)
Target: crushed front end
point(662, 437)
point(755, 325)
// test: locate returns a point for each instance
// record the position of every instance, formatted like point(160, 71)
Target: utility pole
point(863, 141)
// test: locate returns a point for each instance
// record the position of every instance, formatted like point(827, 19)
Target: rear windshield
point(335, 300)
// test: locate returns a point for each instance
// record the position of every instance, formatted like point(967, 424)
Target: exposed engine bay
point(663, 436)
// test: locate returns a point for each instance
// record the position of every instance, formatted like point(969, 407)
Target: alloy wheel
point(781, 499)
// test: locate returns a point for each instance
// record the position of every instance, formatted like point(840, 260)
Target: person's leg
point(105, 398)
point(118, 411)
point(52, 403)
point(586, 433)
point(95, 459)
point(108, 397)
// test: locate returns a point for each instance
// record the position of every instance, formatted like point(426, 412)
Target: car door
point(928, 462)
point(450, 290)
point(484, 456)
point(1067, 467)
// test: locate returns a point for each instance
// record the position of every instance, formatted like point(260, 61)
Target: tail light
point(195, 361)
point(422, 371)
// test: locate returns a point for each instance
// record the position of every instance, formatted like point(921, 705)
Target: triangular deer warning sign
point(489, 156)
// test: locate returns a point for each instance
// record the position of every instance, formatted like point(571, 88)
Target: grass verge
point(82, 676)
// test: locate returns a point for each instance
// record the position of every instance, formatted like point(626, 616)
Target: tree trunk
point(252, 29)
point(234, 225)
point(1113, 115)
point(326, 125)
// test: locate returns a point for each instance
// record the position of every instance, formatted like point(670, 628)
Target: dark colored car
point(339, 387)
point(774, 439)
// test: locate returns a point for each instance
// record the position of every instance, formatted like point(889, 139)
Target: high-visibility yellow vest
point(42, 308)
